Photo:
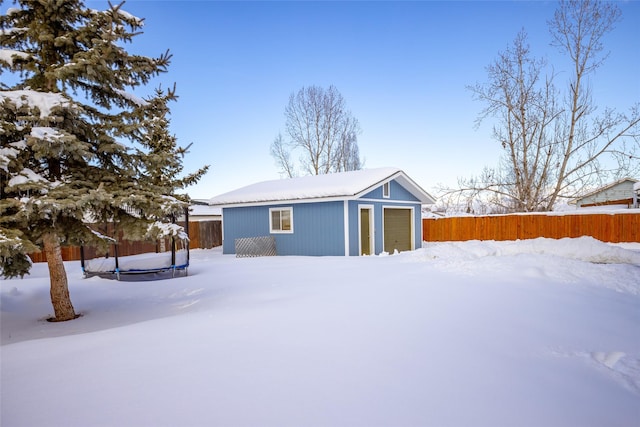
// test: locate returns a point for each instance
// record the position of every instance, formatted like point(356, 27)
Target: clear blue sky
point(402, 67)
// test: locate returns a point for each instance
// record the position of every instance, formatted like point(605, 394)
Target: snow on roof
point(334, 185)
point(204, 210)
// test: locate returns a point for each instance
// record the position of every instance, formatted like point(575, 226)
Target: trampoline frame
point(142, 275)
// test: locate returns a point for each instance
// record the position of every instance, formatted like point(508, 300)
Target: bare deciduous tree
point(577, 30)
point(321, 130)
point(554, 143)
point(280, 152)
point(524, 101)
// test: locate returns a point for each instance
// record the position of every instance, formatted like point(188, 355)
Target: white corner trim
point(346, 227)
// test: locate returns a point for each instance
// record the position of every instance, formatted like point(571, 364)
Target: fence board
point(622, 227)
point(210, 234)
point(202, 235)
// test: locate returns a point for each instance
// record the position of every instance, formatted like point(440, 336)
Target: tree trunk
point(60, 298)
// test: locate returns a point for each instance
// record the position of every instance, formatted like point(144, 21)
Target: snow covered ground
point(531, 333)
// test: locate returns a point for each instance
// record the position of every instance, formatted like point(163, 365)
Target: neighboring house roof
point(341, 185)
point(620, 192)
point(605, 188)
point(204, 210)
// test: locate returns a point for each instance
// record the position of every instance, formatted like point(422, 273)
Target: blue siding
point(354, 236)
point(243, 222)
point(378, 207)
point(318, 228)
point(396, 192)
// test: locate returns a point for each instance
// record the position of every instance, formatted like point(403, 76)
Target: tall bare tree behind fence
point(622, 227)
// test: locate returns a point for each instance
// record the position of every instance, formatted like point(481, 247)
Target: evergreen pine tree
point(75, 143)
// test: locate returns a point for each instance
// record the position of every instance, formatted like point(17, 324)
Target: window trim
point(386, 190)
point(280, 209)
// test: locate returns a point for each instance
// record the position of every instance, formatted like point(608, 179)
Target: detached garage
point(362, 212)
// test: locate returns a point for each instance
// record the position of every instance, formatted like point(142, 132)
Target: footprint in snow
point(620, 366)
point(624, 367)
point(608, 359)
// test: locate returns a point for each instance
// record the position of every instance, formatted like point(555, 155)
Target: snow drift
point(528, 333)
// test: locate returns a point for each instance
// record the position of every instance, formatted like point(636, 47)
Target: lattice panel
point(255, 246)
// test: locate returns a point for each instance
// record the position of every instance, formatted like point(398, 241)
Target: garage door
point(397, 230)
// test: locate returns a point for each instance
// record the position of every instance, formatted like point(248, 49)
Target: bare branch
point(281, 153)
point(320, 127)
point(553, 144)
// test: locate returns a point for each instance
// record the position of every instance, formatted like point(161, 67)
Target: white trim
point(282, 208)
point(405, 202)
point(413, 221)
point(386, 194)
point(319, 200)
point(346, 228)
point(222, 226)
point(288, 202)
point(372, 240)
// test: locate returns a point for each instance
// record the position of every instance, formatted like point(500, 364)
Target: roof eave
point(283, 201)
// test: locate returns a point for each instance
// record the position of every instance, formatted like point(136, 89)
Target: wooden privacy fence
point(205, 234)
point(202, 235)
point(622, 227)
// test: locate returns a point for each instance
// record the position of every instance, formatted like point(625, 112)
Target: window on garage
point(281, 220)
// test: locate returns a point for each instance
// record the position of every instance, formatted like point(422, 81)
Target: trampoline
point(142, 267)
point(160, 264)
